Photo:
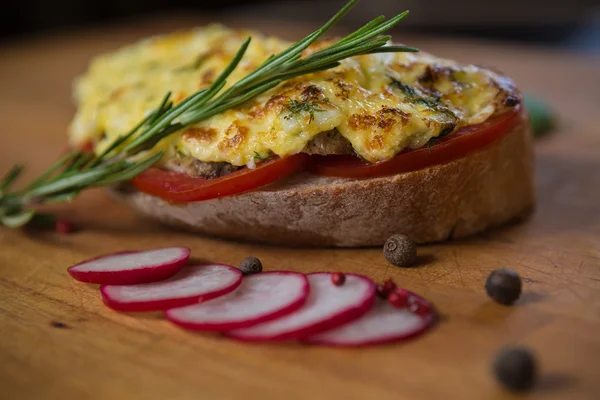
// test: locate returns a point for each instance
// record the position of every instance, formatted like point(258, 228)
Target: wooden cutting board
point(57, 340)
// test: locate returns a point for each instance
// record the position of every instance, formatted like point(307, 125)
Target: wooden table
point(57, 340)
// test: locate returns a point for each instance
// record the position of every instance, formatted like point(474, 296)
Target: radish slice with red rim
point(328, 306)
point(259, 298)
point(190, 285)
point(131, 267)
point(382, 324)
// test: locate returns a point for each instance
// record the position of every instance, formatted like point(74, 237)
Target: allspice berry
point(515, 368)
point(503, 286)
point(400, 251)
point(250, 265)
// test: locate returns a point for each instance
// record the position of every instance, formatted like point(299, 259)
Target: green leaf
point(541, 115)
point(165, 105)
point(153, 116)
point(359, 32)
point(164, 121)
point(130, 172)
point(17, 220)
point(53, 168)
point(70, 181)
point(80, 161)
point(393, 49)
point(352, 40)
point(233, 102)
point(153, 140)
point(233, 64)
point(10, 177)
point(62, 197)
point(191, 102)
point(10, 203)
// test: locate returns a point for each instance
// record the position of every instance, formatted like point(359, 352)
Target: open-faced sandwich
point(339, 142)
point(383, 143)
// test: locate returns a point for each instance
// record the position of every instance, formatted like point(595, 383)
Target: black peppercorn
point(250, 265)
point(400, 251)
point(515, 368)
point(504, 286)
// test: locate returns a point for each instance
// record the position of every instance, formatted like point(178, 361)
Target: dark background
point(572, 24)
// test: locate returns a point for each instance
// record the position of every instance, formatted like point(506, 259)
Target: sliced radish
point(328, 306)
point(188, 286)
point(383, 323)
point(131, 267)
point(259, 298)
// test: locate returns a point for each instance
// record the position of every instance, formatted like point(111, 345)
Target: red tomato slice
point(454, 146)
point(180, 188)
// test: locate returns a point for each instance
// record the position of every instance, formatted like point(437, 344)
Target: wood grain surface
point(57, 340)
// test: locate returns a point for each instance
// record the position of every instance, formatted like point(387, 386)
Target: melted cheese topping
point(381, 103)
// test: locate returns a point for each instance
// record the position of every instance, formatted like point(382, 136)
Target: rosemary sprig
point(78, 171)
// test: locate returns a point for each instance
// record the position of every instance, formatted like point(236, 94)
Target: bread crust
point(486, 188)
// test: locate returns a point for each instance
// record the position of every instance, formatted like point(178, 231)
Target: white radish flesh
point(328, 306)
point(259, 298)
point(188, 286)
point(128, 268)
point(382, 324)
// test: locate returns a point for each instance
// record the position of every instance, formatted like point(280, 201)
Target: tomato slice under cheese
point(176, 187)
point(446, 149)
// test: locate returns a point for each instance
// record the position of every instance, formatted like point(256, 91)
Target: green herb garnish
point(541, 115)
point(444, 132)
point(79, 171)
point(428, 101)
point(408, 90)
point(259, 157)
point(303, 107)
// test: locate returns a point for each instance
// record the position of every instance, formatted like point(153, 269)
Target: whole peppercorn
point(63, 226)
point(400, 251)
point(384, 290)
point(250, 265)
point(398, 298)
point(338, 278)
point(503, 286)
point(515, 368)
point(389, 285)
